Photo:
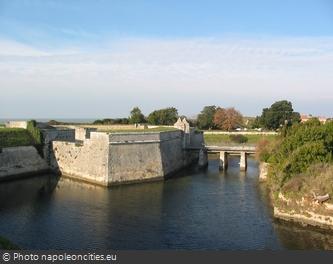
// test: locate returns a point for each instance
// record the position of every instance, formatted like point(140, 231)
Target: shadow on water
point(195, 210)
point(25, 191)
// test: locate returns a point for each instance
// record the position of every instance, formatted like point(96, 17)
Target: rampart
point(115, 158)
point(20, 161)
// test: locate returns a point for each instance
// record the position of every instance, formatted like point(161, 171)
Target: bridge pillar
point(243, 161)
point(223, 160)
point(203, 158)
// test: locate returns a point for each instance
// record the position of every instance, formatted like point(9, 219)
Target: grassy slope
point(5, 244)
point(12, 137)
point(221, 139)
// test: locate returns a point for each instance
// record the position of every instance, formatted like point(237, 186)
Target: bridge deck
point(229, 149)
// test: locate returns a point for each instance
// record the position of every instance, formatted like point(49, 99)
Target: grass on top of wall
point(156, 129)
point(13, 137)
point(222, 139)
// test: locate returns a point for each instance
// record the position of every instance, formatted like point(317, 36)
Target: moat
point(196, 210)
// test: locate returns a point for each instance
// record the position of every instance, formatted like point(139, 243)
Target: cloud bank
point(110, 78)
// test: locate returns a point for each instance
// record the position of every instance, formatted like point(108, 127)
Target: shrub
point(238, 138)
point(34, 132)
point(263, 150)
point(301, 147)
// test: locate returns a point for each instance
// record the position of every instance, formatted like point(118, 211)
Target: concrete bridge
point(224, 151)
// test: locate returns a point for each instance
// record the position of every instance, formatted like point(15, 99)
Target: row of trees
point(166, 116)
point(212, 117)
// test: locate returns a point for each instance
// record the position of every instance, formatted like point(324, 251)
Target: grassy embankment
point(301, 164)
point(13, 137)
point(5, 244)
point(223, 139)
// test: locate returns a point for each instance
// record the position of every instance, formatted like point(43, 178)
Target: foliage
point(205, 119)
point(301, 146)
point(13, 137)
point(110, 121)
point(317, 179)
point(280, 113)
point(255, 123)
point(224, 139)
point(238, 138)
point(34, 132)
point(136, 116)
point(227, 118)
point(166, 116)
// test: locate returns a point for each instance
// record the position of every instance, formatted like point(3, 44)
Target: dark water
point(199, 210)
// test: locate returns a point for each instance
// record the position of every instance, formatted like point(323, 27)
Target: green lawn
point(13, 137)
point(222, 139)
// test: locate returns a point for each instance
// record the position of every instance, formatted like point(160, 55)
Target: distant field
point(221, 139)
point(13, 137)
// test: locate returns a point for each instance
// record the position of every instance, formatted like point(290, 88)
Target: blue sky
point(100, 58)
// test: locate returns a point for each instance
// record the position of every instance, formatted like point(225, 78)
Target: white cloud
point(187, 73)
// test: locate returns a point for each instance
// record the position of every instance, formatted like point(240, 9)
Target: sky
point(100, 58)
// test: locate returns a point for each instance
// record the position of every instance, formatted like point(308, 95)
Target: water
point(197, 210)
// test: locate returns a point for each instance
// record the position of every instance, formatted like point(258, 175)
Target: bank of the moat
point(197, 210)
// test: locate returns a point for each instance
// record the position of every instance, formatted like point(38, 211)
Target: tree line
point(279, 114)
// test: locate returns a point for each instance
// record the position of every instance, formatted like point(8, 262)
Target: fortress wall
point(109, 159)
point(146, 156)
point(134, 162)
point(122, 137)
point(197, 139)
point(17, 124)
point(18, 161)
point(87, 161)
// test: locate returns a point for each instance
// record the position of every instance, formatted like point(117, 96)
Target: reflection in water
point(294, 236)
point(198, 210)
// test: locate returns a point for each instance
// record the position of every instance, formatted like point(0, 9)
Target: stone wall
point(17, 124)
point(123, 157)
point(50, 135)
point(87, 161)
point(18, 161)
point(82, 133)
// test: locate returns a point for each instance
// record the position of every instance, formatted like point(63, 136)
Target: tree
point(136, 116)
point(205, 119)
point(228, 118)
point(166, 116)
point(280, 113)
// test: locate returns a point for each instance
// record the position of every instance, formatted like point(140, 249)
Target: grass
point(157, 129)
point(222, 139)
point(6, 244)
point(13, 137)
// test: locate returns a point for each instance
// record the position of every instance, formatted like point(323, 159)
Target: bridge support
point(243, 161)
point(203, 158)
point(223, 160)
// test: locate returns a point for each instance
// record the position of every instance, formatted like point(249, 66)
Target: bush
point(301, 147)
point(238, 138)
point(34, 132)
